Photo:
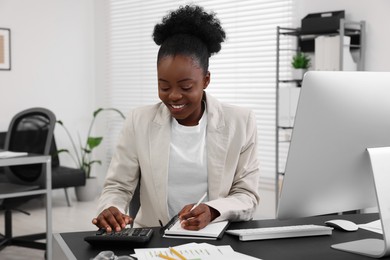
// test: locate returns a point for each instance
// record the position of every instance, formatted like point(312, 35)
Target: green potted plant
point(81, 155)
point(300, 63)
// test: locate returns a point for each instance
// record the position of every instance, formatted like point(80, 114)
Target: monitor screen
point(328, 169)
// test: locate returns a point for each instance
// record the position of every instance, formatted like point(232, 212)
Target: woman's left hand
point(197, 218)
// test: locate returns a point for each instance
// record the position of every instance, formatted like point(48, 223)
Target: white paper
point(8, 154)
point(193, 251)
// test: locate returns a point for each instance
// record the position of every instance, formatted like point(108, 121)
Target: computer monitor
point(328, 169)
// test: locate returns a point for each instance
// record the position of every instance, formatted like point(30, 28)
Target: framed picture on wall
point(5, 49)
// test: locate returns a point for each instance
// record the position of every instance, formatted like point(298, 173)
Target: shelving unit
point(305, 43)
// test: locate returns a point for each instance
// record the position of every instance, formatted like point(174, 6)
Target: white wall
point(53, 53)
point(376, 15)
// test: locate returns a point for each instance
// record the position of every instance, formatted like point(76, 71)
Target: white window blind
point(243, 73)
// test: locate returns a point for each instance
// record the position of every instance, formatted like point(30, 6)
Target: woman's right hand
point(112, 219)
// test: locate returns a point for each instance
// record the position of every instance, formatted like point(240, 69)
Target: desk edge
point(61, 249)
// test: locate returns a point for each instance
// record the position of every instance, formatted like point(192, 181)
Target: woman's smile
point(181, 84)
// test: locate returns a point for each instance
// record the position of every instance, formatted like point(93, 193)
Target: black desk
point(74, 247)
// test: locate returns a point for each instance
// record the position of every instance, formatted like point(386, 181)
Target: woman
point(186, 145)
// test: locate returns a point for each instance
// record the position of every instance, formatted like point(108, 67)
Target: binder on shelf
point(325, 22)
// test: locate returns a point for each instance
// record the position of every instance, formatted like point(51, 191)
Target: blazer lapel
point(217, 143)
point(159, 140)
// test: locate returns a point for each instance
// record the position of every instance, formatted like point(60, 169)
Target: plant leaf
point(82, 153)
point(86, 150)
point(116, 110)
point(92, 162)
point(97, 111)
point(95, 161)
point(62, 151)
point(300, 61)
point(94, 142)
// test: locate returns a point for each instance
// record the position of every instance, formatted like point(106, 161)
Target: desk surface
point(289, 248)
point(22, 160)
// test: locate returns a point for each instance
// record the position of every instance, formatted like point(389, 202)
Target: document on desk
point(9, 154)
point(214, 230)
point(192, 251)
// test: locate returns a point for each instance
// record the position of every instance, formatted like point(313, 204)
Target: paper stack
point(192, 251)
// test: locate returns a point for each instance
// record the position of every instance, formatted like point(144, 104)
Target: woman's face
point(181, 82)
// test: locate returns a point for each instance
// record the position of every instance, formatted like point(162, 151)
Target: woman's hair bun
point(191, 20)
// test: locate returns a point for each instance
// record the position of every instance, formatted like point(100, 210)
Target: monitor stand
point(380, 163)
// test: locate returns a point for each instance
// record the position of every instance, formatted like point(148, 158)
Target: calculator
point(126, 235)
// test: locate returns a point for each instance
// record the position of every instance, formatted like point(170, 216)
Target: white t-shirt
point(187, 172)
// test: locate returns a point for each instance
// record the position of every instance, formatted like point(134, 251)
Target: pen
point(200, 201)
point(166, 257)
point(177, 253)
point(197, 204)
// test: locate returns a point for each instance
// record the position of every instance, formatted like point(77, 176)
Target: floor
point(78, 217)
point(65, 219)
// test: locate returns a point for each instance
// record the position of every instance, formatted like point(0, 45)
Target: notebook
point(213, 230)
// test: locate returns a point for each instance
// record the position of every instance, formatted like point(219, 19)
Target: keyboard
point(126, 235)
point(280, 232)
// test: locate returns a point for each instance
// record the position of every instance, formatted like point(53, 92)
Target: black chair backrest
point(55, 160)
point(2, 139)
point(30, 131)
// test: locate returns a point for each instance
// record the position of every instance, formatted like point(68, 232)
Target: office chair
point(64, 177)
point(30, 131)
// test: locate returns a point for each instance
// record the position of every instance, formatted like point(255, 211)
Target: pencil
point(166, 257)
point(177, 253)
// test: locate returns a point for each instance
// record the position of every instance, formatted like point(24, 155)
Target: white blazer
point(143, 153)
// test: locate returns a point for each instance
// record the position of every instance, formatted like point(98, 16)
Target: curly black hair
point(189, 31)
